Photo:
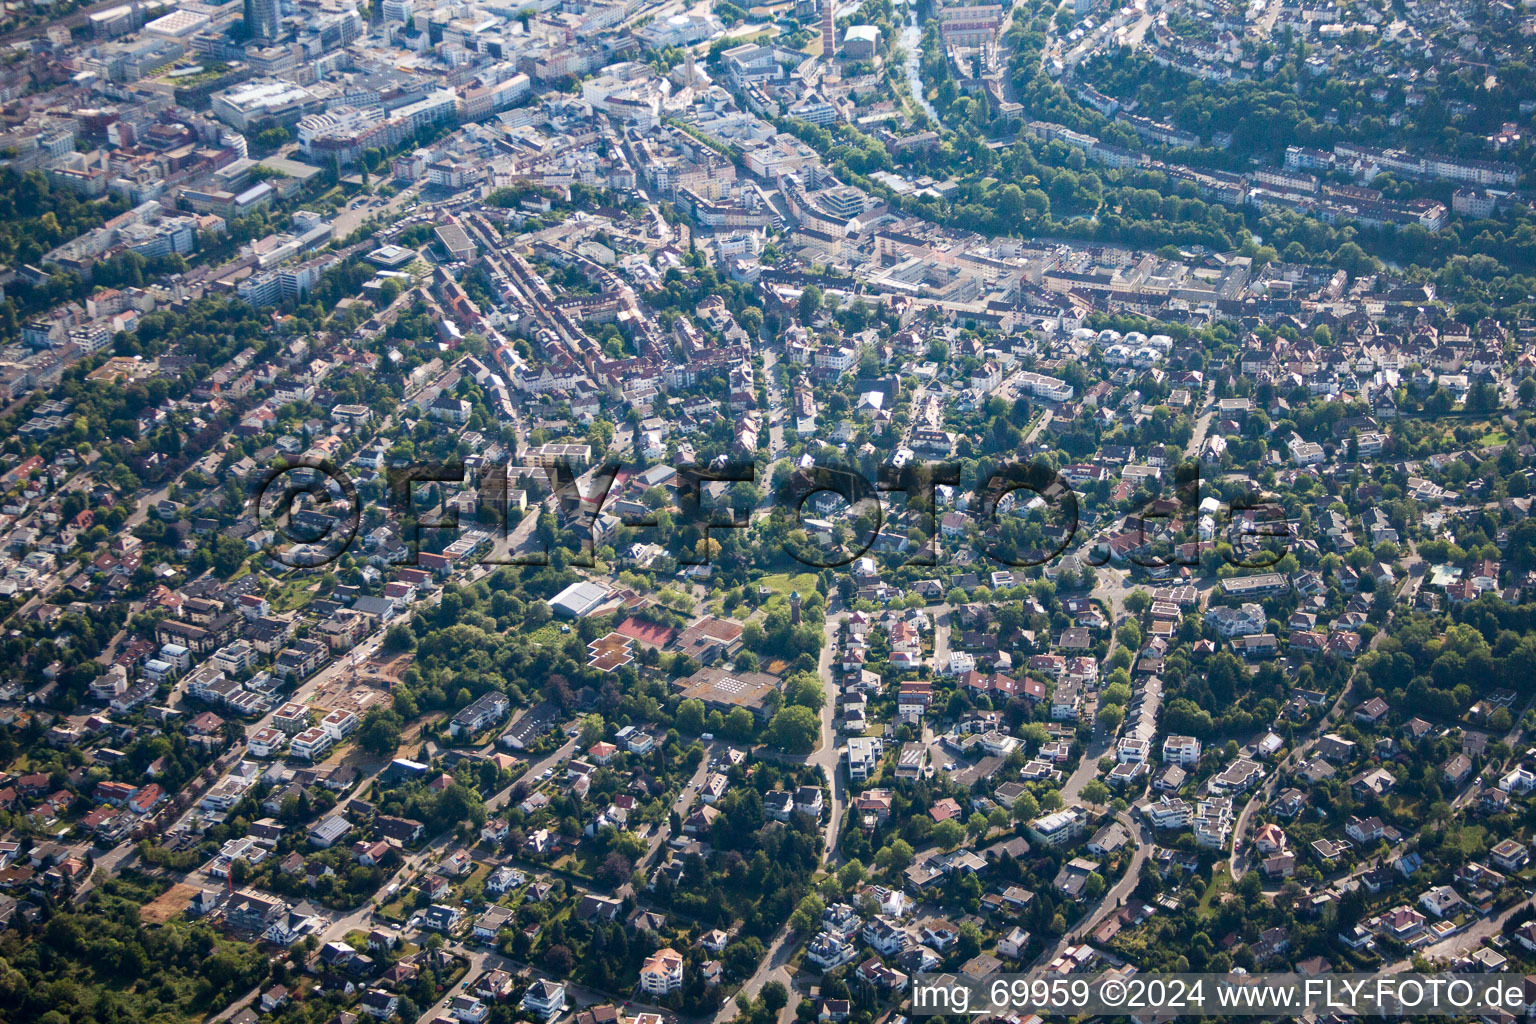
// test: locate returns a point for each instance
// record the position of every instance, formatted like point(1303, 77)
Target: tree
point(592, 727)
point(949, 834)
point(1008, 202)
point(739, 724)
point(228, 555)
point(794, 729)
point(751, 321)
point(775, 997)
point(559, 960)
point(614, 870)
point(379, 734)
point(894, 856)
point(976, 825)
point(804, 689)
point(629, 844)
point(970, 938)
point(399, 637)
point(1095, 792)
point(807, 915)
point(741, 957)
point(1354, 260)
point(690, 717)
point(810, 302)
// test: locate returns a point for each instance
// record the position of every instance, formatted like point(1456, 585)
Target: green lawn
point(291, 594)
point(476, 876)
point(582, 863)
point(1219, 884)
point(395, 910)
point(783, 584)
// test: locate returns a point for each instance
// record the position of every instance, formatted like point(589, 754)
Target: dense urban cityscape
point(517, 512)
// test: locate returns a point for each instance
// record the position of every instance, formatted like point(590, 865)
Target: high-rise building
point(828, 31)
point(262, 18)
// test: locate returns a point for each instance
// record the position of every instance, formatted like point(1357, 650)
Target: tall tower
point(794, 607)
point(688, 69)
point(262, 18)
point(828, 30)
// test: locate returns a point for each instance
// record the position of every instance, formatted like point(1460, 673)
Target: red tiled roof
point(646, 632)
